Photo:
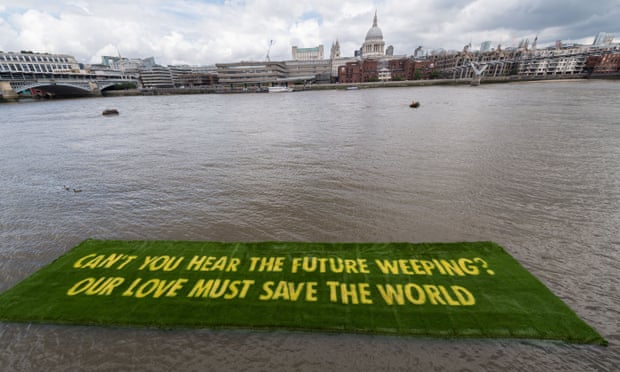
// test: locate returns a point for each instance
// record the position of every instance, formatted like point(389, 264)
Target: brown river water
point(534, 167)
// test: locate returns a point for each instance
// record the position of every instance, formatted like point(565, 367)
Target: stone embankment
point(302, 87)
point(8, 94)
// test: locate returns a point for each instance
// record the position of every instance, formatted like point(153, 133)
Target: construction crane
point(269, 50)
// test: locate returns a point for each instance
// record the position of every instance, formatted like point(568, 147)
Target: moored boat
point(280, 89)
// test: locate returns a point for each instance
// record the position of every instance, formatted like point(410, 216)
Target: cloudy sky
point(201, 32)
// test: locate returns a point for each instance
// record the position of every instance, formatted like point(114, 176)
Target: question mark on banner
point(485, 265)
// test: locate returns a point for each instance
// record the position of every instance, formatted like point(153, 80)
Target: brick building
point(370, 70)
point(350, 73)
point(608, 64)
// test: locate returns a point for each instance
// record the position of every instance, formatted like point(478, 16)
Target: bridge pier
point(94, 88)
point(7, 93)
point(475, 80)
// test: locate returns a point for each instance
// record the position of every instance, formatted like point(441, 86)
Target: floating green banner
point(441, 290)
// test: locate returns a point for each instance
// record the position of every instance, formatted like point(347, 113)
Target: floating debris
point(110, 112)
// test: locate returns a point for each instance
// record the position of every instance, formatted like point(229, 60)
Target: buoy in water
point(110, 112)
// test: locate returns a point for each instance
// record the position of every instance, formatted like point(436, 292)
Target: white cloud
point(306, 32)
point(199, 32)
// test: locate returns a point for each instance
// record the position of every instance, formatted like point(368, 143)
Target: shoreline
point(341, 86)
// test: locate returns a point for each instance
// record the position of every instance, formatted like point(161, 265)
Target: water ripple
point(519, 164)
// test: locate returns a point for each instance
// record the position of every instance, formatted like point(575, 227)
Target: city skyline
point(206, 32)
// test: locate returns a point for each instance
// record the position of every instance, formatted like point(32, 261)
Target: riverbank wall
point(221, 89)
point(10, 95)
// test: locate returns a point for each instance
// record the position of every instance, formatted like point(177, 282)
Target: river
point(534, 167)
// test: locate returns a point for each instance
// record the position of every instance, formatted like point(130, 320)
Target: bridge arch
point(108, 84)
point(58, 89)
point(103, 86)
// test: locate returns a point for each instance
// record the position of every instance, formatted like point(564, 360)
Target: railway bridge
point(14, 86)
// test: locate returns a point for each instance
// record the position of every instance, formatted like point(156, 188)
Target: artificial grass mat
point(453, 290)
